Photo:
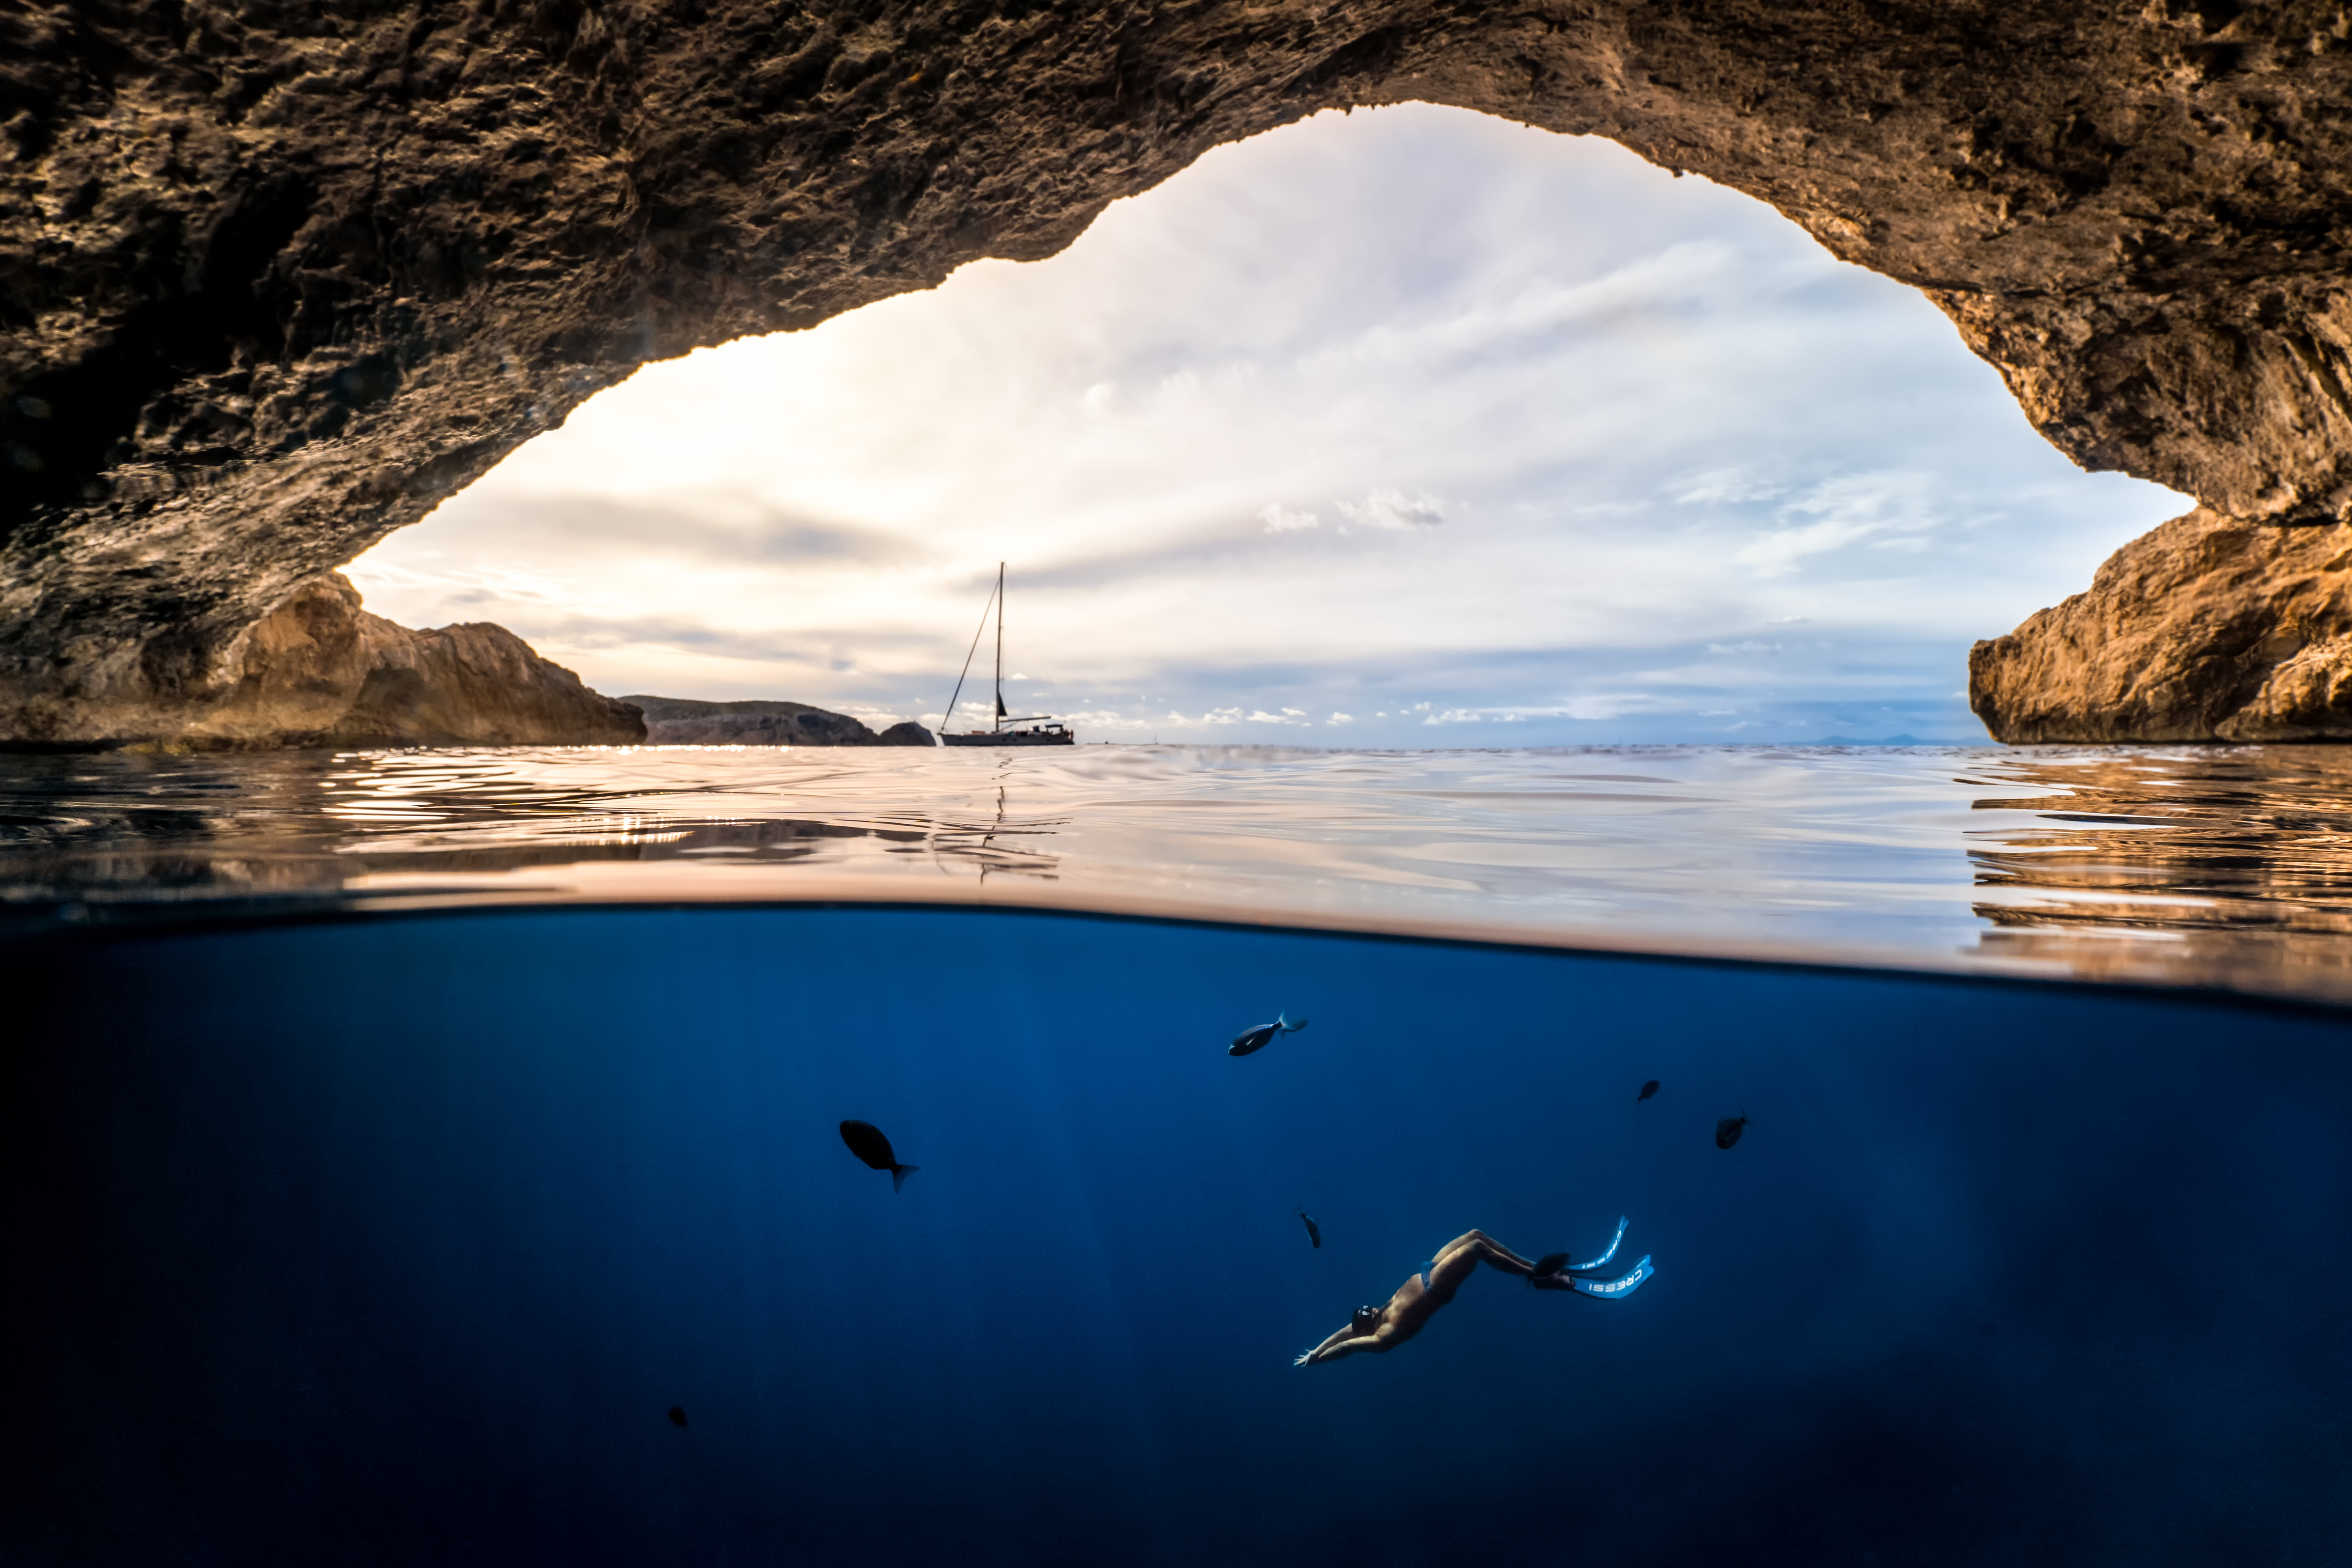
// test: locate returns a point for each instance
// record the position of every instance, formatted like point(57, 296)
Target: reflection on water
point(2216, 861)
point(2220, 866)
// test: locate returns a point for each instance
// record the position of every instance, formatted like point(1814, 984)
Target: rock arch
point(280, 277)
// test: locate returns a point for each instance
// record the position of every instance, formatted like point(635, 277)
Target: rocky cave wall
point(278, 277)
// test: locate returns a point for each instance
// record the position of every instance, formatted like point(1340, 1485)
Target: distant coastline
point(686, 721)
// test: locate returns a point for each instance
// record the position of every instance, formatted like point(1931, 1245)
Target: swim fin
point(1602, 1261)
point(1616, 1288)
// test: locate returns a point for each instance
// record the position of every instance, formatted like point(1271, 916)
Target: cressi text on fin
point(1616, 1289)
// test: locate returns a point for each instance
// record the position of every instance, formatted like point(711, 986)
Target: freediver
point(1383, 1329)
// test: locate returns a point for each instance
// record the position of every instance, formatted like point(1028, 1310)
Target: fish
point(1728, 1130)
point(677, 1415)
point(865, 1141)
point(1648, 1089)
point(1258, 1039)
point(1314, 1233)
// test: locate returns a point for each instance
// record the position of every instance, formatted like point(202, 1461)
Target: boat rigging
point(1046, 733)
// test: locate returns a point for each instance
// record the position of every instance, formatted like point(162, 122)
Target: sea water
point(385, 1162)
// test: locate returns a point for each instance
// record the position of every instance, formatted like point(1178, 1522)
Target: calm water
point(389, 1228)
point(2200, 866)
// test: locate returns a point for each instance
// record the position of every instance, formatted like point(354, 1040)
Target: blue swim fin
point(1602, 1261)
point(1616, 1288)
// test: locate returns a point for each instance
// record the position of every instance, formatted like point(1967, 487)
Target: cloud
point(1395, 511)
point(1279, 519)
point(1844, 510)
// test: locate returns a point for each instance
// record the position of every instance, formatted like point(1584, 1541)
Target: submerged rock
point(2209, 629)
point(684, 721)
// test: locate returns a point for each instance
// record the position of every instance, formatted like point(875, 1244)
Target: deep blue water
point(394, 1239)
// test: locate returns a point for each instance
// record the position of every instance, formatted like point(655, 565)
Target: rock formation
point(320, 671)
point(2210, 628)
point(280, 279)
point(683, 721)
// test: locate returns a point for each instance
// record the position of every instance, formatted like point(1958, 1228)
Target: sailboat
point(1045, 733)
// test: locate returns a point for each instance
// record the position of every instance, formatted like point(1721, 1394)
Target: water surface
point(2220, 866)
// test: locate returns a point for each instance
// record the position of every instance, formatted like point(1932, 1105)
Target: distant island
point(685, 721)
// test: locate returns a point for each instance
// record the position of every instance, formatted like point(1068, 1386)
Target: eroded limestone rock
point(275, 279)
point(2208, 628)
point(319, 670)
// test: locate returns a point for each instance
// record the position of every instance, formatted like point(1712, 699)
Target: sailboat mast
point(1000, 647)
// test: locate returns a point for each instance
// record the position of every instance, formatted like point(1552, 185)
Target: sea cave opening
point(1402, 427)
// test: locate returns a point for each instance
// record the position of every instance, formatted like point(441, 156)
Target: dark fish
point(677, 1415)
point(1258, 1039)
point(1313, 1233)
point(1648, 1089)
point(1728, 1130)
point(865, 1141)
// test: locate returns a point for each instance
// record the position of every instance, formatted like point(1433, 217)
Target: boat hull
point(1011, 738)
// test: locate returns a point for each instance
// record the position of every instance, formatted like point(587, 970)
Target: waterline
point(2220, 867)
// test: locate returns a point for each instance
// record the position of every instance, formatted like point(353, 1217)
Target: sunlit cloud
point(1395, 511)
point(1408, 423)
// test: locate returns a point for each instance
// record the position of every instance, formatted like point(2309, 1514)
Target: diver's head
point(1365, 1320)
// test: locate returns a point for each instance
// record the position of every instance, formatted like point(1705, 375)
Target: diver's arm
point(1345, 1342)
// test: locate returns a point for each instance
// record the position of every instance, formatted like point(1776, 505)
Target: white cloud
point(1280, 518)
point(1848, 509)
point(1395, 511)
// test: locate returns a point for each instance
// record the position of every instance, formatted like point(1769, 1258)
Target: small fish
point(1728, 1130)
point(1314, 1233)
point(1257, 1039)
point(677, 1415)
point(865, 1141)
point(1648, 1089)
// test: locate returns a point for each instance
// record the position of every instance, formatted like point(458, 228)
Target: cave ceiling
point(278, 279)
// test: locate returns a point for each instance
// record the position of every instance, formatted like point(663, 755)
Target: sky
point(1404, 428)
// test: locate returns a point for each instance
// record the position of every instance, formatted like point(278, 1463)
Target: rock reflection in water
point(2200, 865)
point(2190, 866)
point(126, 831)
